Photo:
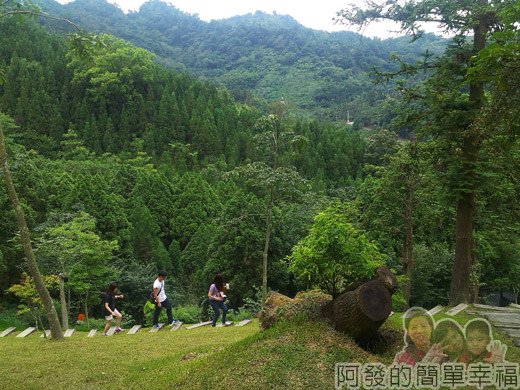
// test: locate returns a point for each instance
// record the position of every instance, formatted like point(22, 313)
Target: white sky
point(314, 14)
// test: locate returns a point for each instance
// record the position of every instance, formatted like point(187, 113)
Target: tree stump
point(359, 312)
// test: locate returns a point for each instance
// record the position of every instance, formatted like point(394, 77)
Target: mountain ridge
point(257, 54)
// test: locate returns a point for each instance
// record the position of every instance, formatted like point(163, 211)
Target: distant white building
point(349, 122)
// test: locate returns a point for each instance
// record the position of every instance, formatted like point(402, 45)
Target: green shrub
point(93, 323)
point(398, 301)
point(239, 315)
point(189, 314)
point(9, 317)
point(253, 305)
point(334, 254)
point(431, 275)
point(148, 310)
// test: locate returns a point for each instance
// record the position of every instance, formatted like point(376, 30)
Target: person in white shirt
point(161, 300)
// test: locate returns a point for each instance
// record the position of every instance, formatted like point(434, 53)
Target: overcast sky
point(314, 14)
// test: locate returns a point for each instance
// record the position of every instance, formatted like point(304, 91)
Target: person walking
point(216, 295)
point(108, 309)
point(161, 300)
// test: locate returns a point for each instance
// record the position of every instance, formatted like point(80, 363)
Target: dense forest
point(124, 165)
point(259, 57)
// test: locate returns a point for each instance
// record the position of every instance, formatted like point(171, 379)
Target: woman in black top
point(109, 310)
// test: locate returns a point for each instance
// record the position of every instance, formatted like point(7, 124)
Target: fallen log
point(359, 312)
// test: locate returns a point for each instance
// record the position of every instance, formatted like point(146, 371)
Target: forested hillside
point(136, 155)
point(259, 55)
point(125, 166)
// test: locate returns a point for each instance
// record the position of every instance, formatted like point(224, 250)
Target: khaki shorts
point(111, 316)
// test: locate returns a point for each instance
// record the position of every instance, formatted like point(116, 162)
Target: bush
point(238, 315)
point(398, 301)
point(148, 310)
point(334, 253)
point(249, 309)
point(93, 323)
point(189, 314)
point(9, 317)
point(252, 306)
point(431, 276)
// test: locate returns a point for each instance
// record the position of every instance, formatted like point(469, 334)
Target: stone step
point(245, 322)
point(135, 329)
point(69, 332)
point(46, 333)
point(92, 333)
point(511, 332)
point(513, 318)
point(511, 325)
point(26, 332)
point(436, 309)
point(177, 325)
point(8, 331)
point(111, 331)
point(228, 323)
point(154, 330)
point(497, 309)
point(198, 325)
point(457, 309)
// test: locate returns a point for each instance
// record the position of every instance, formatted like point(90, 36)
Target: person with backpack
point(108, 308)
point(216, 295)
point(161, 300)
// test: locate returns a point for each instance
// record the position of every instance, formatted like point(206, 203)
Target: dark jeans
point(168, 306)
point(215, 305)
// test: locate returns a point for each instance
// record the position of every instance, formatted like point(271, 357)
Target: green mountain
point(269, 56)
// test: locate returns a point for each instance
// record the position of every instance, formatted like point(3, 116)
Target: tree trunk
point(86, 308)
point(462, 265)
point(268, 217)
point(359, 312)
point(460, 290)
point(362, 311)
point(50, 310)
point(63, 304)
point(408, 263)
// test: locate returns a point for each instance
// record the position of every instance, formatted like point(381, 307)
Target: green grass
point(294, 355)
point(288, 356)
point(291, 355)
point(143, 360)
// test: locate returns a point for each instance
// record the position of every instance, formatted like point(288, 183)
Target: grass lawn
point(293, 355)
point(143, 360)
point(297, 355)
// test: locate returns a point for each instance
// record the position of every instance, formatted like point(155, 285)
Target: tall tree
point(50, 310)
point(274, 180)
point(334, 254)
point(70, 247)
point(456, 98)
point(9, 9)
